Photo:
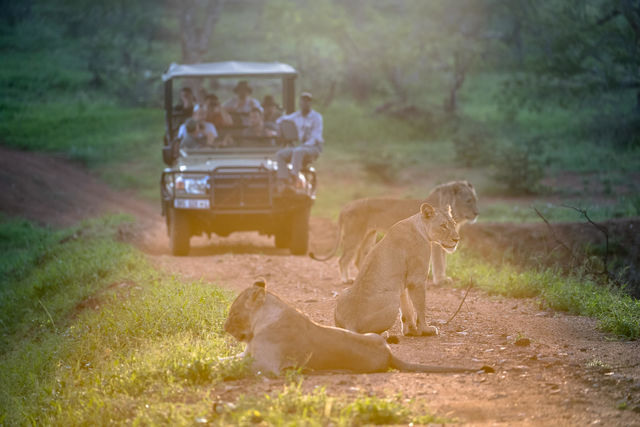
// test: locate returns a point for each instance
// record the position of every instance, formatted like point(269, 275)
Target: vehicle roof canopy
point(229, 69)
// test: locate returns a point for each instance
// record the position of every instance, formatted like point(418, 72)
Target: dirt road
point(567, 373)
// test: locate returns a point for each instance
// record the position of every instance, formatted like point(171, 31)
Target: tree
point(197, 21)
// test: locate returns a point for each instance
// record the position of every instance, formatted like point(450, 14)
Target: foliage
point(617, 312)
point(519, 166)
point(105, 339)
point(472, 147)
point(293, 405)
point(570, 52)
point(22, 244)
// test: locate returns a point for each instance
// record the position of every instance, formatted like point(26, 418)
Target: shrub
point(519, 166)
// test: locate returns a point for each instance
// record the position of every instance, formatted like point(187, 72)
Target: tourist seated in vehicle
point(255, 134)
point(309, 125)
point(184, 109)
point(242, 102)
point(202, 95)
point(256, 126)
point(216, 114)
point(272, 112)
point(191, 138)
point(204, 129)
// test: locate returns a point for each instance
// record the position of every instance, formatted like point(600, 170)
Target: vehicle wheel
point(283, 236)
point(300, 231)
point(179, 233)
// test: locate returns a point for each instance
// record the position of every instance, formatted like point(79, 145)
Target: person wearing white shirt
point(309, 125)
point(205, 130)
point(242, 102)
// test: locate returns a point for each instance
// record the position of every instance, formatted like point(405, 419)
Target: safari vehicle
point(222, 189)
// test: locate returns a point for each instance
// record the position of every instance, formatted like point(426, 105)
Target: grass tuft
point(617, 312)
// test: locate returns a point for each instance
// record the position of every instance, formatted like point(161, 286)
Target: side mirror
point(288, 131)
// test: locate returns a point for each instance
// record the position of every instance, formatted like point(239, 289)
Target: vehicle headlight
point(192, 184)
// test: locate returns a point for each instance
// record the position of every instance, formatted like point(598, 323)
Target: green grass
point(22, 244)
point(625, 206)
point(292, 406)
point(92, 334)
point(578, 293)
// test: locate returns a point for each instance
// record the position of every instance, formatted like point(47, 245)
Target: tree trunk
point(460, 67)
point(195, 35)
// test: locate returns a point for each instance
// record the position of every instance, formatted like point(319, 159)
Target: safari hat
point(242, 85)
point(306, 95)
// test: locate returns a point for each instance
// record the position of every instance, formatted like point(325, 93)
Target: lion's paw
point(447, 281)
point(430, 331)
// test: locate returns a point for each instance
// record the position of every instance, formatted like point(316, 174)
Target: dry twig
point(461, 302)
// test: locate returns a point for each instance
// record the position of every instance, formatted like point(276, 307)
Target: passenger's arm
point(210, 132)
point(256, 104)
point(316, 132)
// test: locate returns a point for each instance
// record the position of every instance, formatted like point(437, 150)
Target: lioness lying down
point(279, 337)
point(360, 220)
point(393, 276)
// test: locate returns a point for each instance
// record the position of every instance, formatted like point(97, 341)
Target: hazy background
point(537, 100)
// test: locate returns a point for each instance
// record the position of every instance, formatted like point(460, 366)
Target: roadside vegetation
point(498, 111)
point(92, 334)
point(579, 293)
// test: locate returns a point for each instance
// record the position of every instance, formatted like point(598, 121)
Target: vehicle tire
point(179, 232)
point(300, 231)
point(283, 236)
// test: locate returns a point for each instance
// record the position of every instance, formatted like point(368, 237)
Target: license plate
point(191, 203)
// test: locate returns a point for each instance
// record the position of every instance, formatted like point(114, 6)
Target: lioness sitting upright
point(393, 276)
point(279, 337)
point(360, 220)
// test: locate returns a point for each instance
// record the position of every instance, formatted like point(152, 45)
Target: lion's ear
point(260, 282)
point(468, 184)
point(427, 210)
point(457, 187)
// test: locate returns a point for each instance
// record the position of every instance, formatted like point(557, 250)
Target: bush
point(519, 166)
point(382, 167)
point(471, 148)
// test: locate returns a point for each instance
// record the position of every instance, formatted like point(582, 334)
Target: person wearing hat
point(309, 125)
point(242, 102)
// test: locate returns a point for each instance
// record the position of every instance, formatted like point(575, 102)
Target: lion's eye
point(443, 226)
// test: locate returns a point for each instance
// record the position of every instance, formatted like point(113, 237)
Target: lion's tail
point(335, 246)
point(401, 365)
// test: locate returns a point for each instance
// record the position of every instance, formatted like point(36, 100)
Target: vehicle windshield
point(240, 144)
point(226, 115)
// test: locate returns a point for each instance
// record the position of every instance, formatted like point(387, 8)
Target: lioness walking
point(360, 220)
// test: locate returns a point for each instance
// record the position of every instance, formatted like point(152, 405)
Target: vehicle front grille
point(239, 190)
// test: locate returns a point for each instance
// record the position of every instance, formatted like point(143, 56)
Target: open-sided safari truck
point(232, 187)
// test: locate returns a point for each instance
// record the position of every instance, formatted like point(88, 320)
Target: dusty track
point(570, 374)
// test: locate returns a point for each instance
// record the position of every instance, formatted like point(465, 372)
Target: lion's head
point(462, 198)
point(440, 227)
point(240, 319)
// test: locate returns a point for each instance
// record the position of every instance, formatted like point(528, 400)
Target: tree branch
point(600, 228)
point(461, 302)
point(553, 233)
